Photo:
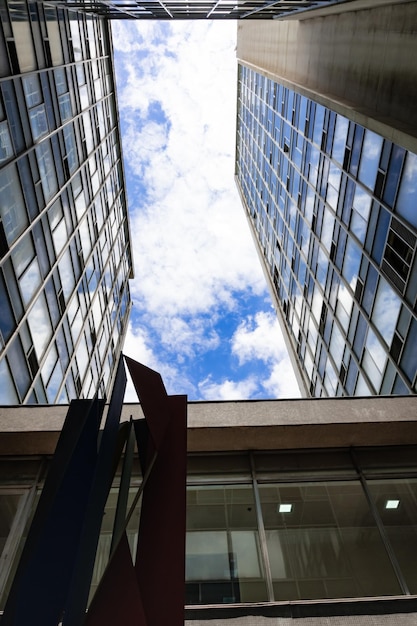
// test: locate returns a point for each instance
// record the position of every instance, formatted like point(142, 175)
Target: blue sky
point(201, 314)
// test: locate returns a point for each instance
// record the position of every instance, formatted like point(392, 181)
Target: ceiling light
point(285, 508)
point(392, 504)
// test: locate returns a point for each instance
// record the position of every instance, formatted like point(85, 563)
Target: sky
point(202, 315)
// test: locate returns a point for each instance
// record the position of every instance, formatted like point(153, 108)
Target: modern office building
point(326, 167)
point(198, 9)
point(296, 510)
point(64, 234)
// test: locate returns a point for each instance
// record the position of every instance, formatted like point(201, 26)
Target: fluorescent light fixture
point(285, 508)
point(392, 504)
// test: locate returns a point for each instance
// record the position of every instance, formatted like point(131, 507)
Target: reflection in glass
point(406, 200)
point(371, 153)
point(223, 562)
point(327, 546)
point(386, 309)
point(106, 533)
point(12, 207)
point(400, 521)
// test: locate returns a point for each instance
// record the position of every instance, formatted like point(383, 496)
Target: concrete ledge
point(243, 425)
point(385, 611)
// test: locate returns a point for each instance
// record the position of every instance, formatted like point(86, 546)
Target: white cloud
point(194, 256)
point(282, 382)
point(193, 246)
point(139, 346)
point(228, 389)
point(258, 337)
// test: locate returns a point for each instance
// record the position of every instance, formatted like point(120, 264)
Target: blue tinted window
point(369, 290)
point(7, 321)
point(359, 336)
point(409, 358)
point(406, 203)
point(351, 377)
point(393, 174)
point(351, 263)
point(356, 150)
point(380, 235)
point(371, 153)
point(18, 365)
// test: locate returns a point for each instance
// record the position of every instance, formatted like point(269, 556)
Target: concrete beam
point(243, 425)
point(360, 63)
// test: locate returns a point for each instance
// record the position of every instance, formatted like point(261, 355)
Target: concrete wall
point(409, 619)
point(243, 425)
point(361, 63)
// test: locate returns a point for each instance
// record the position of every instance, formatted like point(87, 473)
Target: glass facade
point(64, 234)
point(200, 9)
point(331, 205)
point(283, 526)
point(263, 527)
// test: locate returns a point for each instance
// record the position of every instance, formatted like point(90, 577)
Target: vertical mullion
point(381, 528)
point(261, 530)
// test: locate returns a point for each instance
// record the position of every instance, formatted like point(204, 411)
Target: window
point(398, 254)
point(315, 525)
point(339, 140)
point(323, 543)
point(386, 309)
point(36, 108)
point(40, 325)
point(46, 169)
point(406, 201)
point(372, 365)
point(27, 268)
point(6, 148)
point(223, 560)
point(371, 153)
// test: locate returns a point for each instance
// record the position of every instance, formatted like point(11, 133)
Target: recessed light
point(285, 508)
point(392, 504)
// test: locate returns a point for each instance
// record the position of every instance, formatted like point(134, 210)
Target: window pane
point(386, 309)
point(339, 140)
point(12, 206)
point(371, 153)
point(6, 148)
point(38, 121)
point(406, 201)
point(223, 562)
point(40, 325)
point(7, 389)
point(323, 542)
point(46, 169)
point(396, 501)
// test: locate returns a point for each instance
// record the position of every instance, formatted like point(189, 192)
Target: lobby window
point(396, 502)
point(323, 543)
point(223, 561)
point(309, 525)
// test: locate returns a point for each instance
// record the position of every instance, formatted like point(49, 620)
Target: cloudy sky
point(201, 314)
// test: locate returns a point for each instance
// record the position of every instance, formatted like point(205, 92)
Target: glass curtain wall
point(65, 255)
point(265, 527)
point(332, 208)
point(301, 527)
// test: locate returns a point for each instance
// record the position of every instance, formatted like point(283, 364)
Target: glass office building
point(303, 508)
point(198, 9)
point(64, 233)
point(332, 208)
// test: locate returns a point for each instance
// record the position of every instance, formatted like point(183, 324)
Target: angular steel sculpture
point(53, 579)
